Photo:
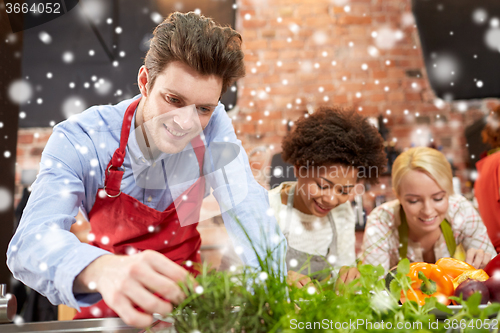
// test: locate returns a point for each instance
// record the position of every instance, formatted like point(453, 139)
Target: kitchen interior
point(416, 68)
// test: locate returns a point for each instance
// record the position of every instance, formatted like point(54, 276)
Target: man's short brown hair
point(198, 42)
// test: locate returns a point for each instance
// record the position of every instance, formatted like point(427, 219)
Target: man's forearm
point(86, 281)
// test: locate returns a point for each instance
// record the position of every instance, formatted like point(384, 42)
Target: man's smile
point(174, 133)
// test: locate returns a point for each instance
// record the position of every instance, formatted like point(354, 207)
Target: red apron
point(123, 225)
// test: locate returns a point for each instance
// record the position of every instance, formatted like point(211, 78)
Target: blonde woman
point(428, 220)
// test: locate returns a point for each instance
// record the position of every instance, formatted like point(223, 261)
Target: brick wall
point(301, 54)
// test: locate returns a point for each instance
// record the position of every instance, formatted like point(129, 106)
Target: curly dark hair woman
point(336, 136)
point(336, 148)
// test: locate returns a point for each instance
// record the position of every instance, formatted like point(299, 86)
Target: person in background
point(427, 221)
point(487, 185)
point(124, 166)
point(331, 151)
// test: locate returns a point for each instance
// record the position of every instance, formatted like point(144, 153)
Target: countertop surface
point(85, 325)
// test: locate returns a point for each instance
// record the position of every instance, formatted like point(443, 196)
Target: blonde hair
point(428, 160)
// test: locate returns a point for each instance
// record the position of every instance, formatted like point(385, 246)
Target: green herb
point(250, 300)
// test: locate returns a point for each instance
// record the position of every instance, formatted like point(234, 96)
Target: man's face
point(178, 106)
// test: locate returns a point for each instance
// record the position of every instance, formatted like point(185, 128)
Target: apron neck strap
point(119, 154)
point(113, 176)
point(403, 234)
point(451, 244)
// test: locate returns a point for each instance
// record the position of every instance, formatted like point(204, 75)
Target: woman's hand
point(347, 274)
point(297, 279)
point(477, 258)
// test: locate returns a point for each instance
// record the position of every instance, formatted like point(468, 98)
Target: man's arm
point(241, 198)
point(43, 254)
point(50, 259)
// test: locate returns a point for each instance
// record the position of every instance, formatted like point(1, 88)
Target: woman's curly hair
point(333, 135)
point(491, 132)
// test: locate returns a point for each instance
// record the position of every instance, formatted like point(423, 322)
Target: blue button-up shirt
point(44, 255)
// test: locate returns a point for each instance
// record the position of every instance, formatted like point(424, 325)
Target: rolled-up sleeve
point(43, 253)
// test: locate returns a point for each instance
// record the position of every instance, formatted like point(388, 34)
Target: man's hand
point(125, 281)
point(347, 274)
point(477, 258)
point(297, 279)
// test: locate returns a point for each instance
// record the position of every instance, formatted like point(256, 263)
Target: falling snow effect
point(72, 105)
point(5, 199)
point(340, 3)
point(386, 38)
point(493, 122)
point(407, 20)
point(95, 311)
point(479, 16)
point(20, 91)
point(45, 37)
point(445, 68)
point(103, 86)
point(94, 9)
point(320, 38)
point(156, 17)
point(68, 57)
point(382, 301)
point(18, 320)
point(492, 39)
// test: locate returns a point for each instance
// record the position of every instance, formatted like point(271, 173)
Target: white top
point(381, 238)
point(312, 234)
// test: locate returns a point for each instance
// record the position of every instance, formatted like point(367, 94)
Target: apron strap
point(451, 243)
point(113, 176)
point(119, 154)
point(403, 234)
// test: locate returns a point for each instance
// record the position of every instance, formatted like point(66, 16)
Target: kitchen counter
point(110, 325)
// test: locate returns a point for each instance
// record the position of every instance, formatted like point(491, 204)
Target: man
point(121, 164)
